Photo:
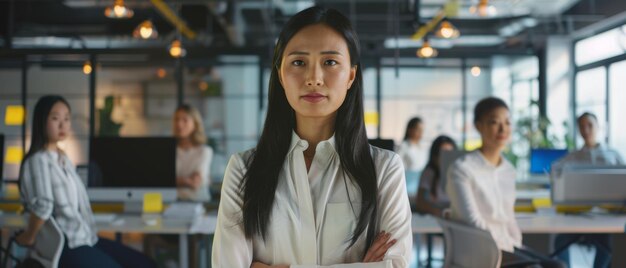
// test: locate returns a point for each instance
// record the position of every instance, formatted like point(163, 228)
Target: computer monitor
point(541, 159)
point(124, 169)
point(590, 185)
point(1, 159)
point(446, 159)
point(383, 143)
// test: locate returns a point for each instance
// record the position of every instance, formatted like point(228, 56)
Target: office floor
point(581, 257)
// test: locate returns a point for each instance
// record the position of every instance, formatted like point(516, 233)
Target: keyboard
point(104, 217)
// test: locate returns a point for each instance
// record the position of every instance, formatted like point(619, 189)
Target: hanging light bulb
point(203, 86)
point(483, 9)
point(475, 71)
point(447, 30)
point(87, 67)
point(176, 49)
point(118, 11)
point(145, 30)
point(161, 73)
point(426, 51)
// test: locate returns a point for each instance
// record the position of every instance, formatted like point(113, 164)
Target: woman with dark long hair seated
point(431, 195)
point(314, 192)
point(51, 188)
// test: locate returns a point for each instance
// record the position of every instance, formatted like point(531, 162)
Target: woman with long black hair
point(411, 150)
point(51, 188)
point(314, 192)
point(431, 194)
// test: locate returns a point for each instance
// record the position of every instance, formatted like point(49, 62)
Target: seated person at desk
point(592, 153)
point(431, 196)
point(51, 188)
point(193, 157)
point(193, 161)
point(411, 150)
point(481, 185)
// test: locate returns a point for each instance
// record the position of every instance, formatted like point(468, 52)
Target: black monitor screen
point(1, 158)
point(132, 162)
point(384, 144)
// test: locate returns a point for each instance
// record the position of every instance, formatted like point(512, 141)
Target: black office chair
point(383, 143)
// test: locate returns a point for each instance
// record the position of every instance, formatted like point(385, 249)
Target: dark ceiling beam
point(202, 52)
point(8, 38)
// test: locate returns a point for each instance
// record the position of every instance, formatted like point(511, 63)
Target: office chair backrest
point(48, 244)
point(468, 247)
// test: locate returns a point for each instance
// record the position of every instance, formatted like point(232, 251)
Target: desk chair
point(468, 247)
point(48, 244)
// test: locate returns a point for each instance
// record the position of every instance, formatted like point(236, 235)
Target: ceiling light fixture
point(87, 67)
point(145, 30)
point(483, 9)
point(118, 11)
point(176, 49)
point(475, 71)
point(426, 51)
point(161, 73)
point(447, 30)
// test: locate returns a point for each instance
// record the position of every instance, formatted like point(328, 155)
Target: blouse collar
point(325, 146)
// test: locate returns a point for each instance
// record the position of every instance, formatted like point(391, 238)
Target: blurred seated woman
point(51, 188)
point(193, 157)
point(431, 195)
point(481, 186)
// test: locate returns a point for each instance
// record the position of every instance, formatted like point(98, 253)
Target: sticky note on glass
point(14, 155)
point(371, 118)
point(14, 115)
point(152, 203)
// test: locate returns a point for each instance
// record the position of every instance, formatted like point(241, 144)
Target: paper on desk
point(204, 225)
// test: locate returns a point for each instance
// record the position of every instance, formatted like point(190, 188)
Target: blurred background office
point(125, 66)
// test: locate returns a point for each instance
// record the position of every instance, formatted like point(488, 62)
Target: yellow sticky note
point(542, 202)
point(14, 155)
point(371, 118)
point(14, 115)
point(152, 203)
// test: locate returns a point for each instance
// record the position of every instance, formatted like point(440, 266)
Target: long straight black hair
point(433, 160)
point(410, 126)
point(260, 181)
point(39, 134)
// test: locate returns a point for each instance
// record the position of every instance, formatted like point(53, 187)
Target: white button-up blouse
point(483, 195)
point(51, 188)
point(312, 219)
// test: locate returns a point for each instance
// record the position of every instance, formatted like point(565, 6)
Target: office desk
point(124, 224)
point(531, 223)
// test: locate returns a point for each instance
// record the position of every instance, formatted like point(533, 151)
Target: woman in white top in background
point(481, 185)
point(592, 153)
point(51, 188)
point(314, 193)
point(193, 157)
point(412, 152)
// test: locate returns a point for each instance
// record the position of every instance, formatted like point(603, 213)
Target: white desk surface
point(531, 223)
point(528, 222)
point(123, 223)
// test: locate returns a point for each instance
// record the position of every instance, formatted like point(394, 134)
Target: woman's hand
point(257, 264)
point(379, 248)
point(24, 239)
